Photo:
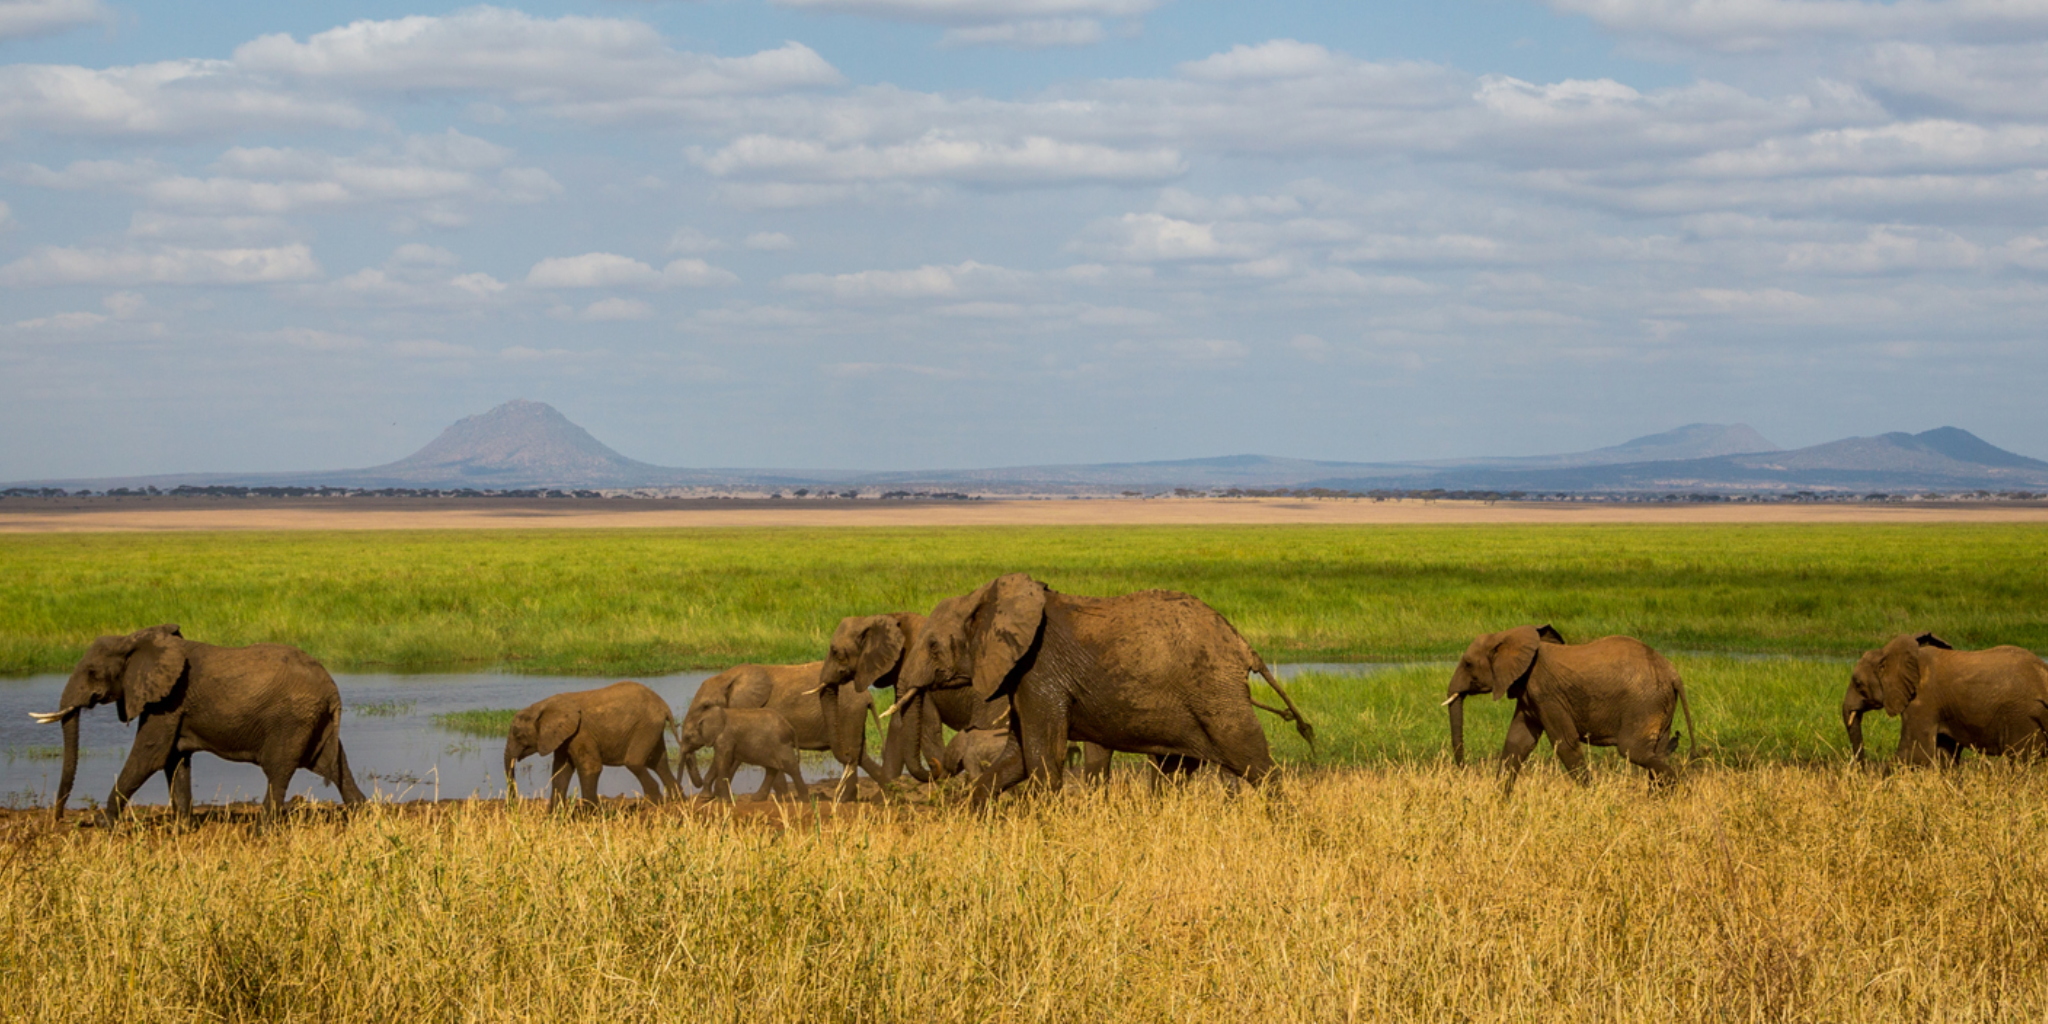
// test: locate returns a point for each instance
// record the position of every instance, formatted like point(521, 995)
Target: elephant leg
point(1006, 771)
point(931, 737)
point(793, 768)
point(1564, 740)
point(181, 786)
point(649, 785)
point(586, 774)
point(558, 779)
point(1947, 750)
point(1041, 731)
point(1653, 755)
point(672, 787)
point(344, 779)
point(848, 785)
point(141, 764)
point(1523, 732)
point(280, 780)
point(1095, 760)
point(1918, 743)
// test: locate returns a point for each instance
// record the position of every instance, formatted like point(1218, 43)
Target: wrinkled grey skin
point(736, 736)
point(265, 704)
point(1993, 701)
point(866, 653)
point(792, 691)
point(1612, 692)
point(1155, 672)
point(621, 725)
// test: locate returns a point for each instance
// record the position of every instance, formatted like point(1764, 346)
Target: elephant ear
point(881, 650)
point(1930, 640)
point(1513, 656)
point(153, 669)
point(1003, 626)
point(1898, 676)
point(556, 726)
point(1549, 634)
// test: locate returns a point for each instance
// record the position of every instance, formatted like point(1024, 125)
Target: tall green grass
point(642, 602)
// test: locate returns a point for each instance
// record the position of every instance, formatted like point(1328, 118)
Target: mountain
point(1944, 459)
point(523, 445)
point(518, 444)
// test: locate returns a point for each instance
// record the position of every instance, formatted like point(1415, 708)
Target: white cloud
point(1738, 25)
point(1887, 249)
point(1279, 58)
point(1037, 34)
point(615, 310)
point(591, 270)
point(590, 66)
point(610, 270)
point(6, 217)
point(20, 19)
point(170, 98)
point(1155, 237)
point(926, 282)
point(940, 154)
point(61, 322)
point(955, 12)
point(769, 241)
point(160, 265)
point(691, 240)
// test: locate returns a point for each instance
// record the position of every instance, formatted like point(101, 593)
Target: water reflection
point(388, 728)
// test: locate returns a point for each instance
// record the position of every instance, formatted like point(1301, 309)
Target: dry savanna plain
point(1375, 880)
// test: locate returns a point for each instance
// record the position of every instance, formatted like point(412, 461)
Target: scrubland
point(651, 601)
point(1400, 893)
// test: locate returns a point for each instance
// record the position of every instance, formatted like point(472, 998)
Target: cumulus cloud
point(941, 154)
point(160, 265)
point(610, 270)
point(926, 282)
point(1738, 25)
point(593, 67)
point(20, 19)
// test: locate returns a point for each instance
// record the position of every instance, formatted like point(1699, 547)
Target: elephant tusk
point(812, 690)
point(900, 701)
point(47, 717)
point(1448, 700)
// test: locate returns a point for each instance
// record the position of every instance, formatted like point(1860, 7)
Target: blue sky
point(898, 234)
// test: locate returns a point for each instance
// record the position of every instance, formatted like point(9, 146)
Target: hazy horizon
point(942, 234)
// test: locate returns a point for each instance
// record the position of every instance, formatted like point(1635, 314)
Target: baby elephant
point(736, 736)
point(1612, 692)
point(621, 724)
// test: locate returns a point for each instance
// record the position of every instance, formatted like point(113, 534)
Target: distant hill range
point(525, 445)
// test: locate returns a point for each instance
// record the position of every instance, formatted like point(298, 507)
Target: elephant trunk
point(511, 764)
point(1457, 706)
point(689, 758)
point(1853, 722)
point(70, 763)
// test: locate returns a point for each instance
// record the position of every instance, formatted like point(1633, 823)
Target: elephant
point(794, 692)
point(622, 724)
point(266, 704)
point(736, 736)
point(971, 751)
point(1611, 692)
point(1994, 701)
point(867, 652)
point(1152, 672)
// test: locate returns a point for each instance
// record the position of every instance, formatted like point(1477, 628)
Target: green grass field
point(645, 602)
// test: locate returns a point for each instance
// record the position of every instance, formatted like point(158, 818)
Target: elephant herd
point(1019, 672)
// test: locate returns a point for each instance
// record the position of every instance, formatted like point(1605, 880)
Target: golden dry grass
point(1409, 893)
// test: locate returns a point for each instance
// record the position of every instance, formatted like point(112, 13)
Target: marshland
point(1777, 882)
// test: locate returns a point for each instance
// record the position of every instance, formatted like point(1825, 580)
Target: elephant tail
point(328, 761)
point(1692, 735)
point(1292, 713)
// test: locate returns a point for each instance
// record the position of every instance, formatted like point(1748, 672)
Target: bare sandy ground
point(108, 515)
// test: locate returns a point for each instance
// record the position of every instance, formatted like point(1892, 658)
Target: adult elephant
point(866, 653)
point(266, 704)
point(1153, 672)
point(1994, 701)
point(1612, 692)
point(792, 691)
